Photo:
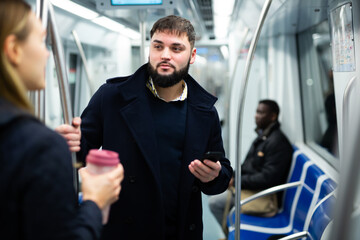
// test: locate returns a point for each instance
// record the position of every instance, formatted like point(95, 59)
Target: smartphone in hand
point(212, 156)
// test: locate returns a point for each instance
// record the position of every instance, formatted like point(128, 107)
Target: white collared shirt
point(182, 97)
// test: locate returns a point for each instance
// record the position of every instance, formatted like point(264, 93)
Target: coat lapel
point(198, 130)
point(138, 117)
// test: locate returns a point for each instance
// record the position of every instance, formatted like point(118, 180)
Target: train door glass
point(318, 100)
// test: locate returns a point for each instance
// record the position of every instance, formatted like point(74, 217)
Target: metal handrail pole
point(249, 60)
point(62, 79)
point(38, 97)
point(142, 14)
point(41, 104)
point(345, 110)
point(350, 170)
point(33, 96)
point(83, 58)
point(42, 10)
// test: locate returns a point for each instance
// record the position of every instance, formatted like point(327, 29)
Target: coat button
point(132, 179)
point(192, 227)
point(195, 188)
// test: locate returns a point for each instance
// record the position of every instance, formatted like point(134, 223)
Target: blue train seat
point(321, 217)
point(317, 221)
point(298, 203)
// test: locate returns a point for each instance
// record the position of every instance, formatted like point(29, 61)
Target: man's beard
point(170, 80)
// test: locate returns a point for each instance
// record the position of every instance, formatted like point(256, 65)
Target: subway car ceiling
point(283, 17)
point(212, 19)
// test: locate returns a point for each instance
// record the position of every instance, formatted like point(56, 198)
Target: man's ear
point(273, 117)
point(12, 49)
point(193, 55)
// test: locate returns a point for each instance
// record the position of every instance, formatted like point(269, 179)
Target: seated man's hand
point(72, 134)
point(205, 171)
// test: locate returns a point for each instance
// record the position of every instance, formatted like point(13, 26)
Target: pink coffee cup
point(99, 162)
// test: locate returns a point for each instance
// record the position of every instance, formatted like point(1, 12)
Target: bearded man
point(161, 122)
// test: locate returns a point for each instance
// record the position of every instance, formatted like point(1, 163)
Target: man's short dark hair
point(176, 25)
point(273, 106)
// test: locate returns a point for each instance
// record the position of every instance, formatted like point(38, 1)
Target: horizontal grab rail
point(265, 192)
point(271, 191)
point(294, 236)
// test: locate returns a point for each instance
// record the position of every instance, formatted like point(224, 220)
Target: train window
point(318, 100)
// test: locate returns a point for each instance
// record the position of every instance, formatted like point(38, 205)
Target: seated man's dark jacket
point(37, 195)
point(119, 118)
point(268, 161)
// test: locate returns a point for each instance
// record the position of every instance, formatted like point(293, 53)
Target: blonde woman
point(37, 198)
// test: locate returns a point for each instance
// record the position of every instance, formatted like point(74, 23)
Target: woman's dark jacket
point(37, 197)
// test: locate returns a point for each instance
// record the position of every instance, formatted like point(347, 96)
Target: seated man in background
point(266, 165)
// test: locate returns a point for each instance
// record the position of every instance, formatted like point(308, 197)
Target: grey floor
point(212, 230)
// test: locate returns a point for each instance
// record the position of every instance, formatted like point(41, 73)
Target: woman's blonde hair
point(14, 16)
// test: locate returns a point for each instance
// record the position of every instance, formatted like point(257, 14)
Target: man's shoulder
point(278, 137)
point(131, 81)
point(140, 73)
point(113, 85)
point(278, 133)
point(117, 79)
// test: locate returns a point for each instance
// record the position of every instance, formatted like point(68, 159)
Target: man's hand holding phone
point(208, 168)
point(212, 156)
